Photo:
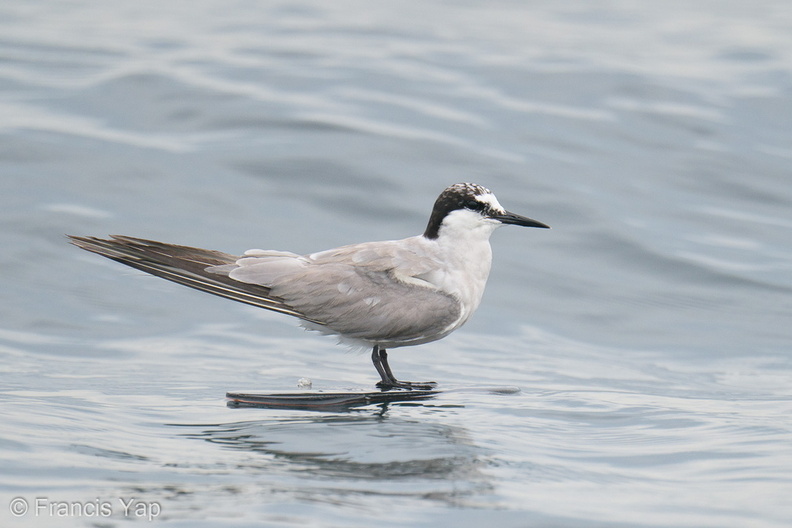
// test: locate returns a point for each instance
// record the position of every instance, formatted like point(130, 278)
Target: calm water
point(649, 330)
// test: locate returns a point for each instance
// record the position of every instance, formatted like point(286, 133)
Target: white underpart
point(463, 246)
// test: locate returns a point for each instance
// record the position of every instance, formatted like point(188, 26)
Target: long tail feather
point(185, 265)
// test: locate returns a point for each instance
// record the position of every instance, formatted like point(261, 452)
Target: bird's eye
point(474, 205)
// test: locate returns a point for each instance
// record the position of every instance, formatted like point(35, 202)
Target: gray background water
point(649, 330)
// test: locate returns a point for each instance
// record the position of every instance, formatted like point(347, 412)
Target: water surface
point(648, 330)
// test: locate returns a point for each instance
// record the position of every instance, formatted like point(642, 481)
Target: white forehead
point(489, 199)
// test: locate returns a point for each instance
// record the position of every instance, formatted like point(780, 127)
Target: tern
point(380, 295)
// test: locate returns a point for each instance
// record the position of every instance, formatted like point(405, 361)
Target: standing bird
point(379, 295)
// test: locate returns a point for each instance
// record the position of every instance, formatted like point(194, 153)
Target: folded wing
point(371, 292)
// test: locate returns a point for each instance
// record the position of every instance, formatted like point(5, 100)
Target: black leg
point(385, 365)
point(380, 359)
point(385, 374)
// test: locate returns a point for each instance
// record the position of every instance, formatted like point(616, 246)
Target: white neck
point(463, 246)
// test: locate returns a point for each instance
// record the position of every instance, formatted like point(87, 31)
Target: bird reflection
point(333, 455)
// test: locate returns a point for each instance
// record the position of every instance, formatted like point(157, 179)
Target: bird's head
point(469, 206)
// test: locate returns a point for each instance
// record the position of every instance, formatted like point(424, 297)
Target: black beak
point(515, 219)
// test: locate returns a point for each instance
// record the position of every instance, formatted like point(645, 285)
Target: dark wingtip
point(79, 241)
